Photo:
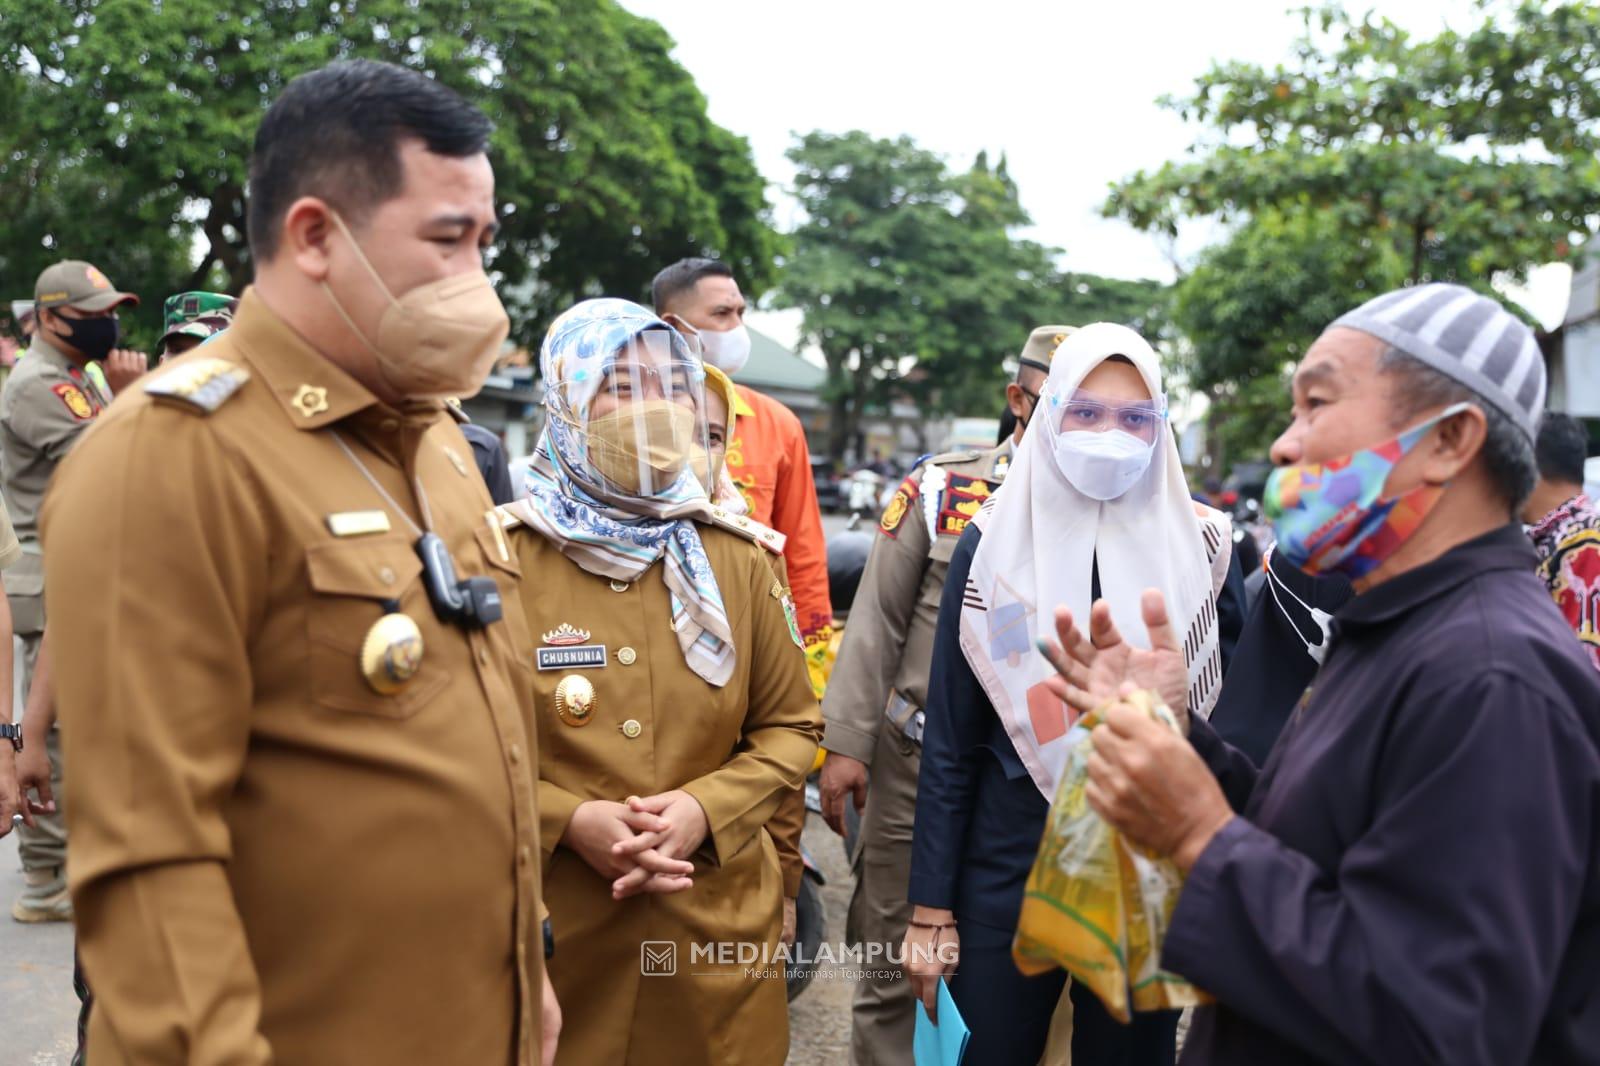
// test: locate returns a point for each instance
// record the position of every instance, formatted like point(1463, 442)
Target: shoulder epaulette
point(749, 528)
point(203, 385)
point(966, 456)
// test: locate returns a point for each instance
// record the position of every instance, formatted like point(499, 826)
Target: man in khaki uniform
point(873, 707)
point(47, 403)
point(303, 809)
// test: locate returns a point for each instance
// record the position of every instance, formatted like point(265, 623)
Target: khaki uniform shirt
point(652, 726)
point(272, 861)
point(47, 403)
point(888, 643)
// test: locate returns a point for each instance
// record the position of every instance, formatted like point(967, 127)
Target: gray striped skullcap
point(1465, 336)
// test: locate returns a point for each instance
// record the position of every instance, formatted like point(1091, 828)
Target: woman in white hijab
point(1095, 507)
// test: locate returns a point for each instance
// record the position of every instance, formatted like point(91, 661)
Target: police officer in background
point(874, 730)
point(48, 401)
point(303, 807)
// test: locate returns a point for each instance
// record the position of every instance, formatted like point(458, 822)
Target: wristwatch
point(12, 733)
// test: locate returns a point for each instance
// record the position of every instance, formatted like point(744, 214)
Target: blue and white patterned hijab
point(607, 533)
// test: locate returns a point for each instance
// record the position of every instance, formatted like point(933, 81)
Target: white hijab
point(1041, 540)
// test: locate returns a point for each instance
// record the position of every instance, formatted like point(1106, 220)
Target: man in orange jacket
point(769, 461)
point(767, 457)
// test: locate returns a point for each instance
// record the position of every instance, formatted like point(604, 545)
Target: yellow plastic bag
point(1097, 905)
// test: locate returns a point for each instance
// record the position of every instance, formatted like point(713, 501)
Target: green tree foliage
point(125, 129)
point(1368, 160)
point(1254, 303)
point(914, 283)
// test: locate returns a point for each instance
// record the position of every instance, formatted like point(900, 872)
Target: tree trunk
point(838, 394)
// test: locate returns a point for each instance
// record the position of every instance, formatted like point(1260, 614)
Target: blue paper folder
point(942, 1044)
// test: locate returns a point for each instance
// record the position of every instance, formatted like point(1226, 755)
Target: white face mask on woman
point(1105, 465)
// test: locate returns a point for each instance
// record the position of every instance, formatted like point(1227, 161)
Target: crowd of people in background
point(393, 748)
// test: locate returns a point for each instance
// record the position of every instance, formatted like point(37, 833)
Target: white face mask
point(1102, 466)
point(1320, 618)
point(727, 351)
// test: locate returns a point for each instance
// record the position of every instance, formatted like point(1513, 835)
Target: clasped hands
point(642, 844)
point(1146, 781)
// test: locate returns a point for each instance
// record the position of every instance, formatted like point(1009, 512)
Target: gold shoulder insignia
point(203, 385)
point(749, 529)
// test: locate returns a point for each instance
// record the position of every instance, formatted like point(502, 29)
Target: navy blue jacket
point(1416, 875)
point(979, 815)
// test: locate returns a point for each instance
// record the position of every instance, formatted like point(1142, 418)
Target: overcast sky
point(1067, 90)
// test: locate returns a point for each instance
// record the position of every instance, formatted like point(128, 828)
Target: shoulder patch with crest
point(76, 403)
point(203, 385)
point(895, 514)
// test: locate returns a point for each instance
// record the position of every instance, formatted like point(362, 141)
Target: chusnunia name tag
point(582, 657)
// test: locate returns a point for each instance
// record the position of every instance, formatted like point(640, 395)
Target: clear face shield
point(645, 424)
point(1085, 411)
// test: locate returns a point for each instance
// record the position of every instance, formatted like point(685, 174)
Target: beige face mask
point(641, 449)
point(437, 340)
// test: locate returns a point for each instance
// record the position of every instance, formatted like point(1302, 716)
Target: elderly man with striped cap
point(1414, 875)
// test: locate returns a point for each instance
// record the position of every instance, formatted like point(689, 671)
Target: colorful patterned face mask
point(1331, 517)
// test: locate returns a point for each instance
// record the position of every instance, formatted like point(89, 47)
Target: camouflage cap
point(197, 314)
point(1042, 345)
point(74, 283)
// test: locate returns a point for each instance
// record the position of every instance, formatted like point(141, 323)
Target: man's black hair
point(335, 133)
point(1561, 449)
point(681, 277)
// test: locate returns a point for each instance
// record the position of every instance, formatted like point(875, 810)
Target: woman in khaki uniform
point(673, 709)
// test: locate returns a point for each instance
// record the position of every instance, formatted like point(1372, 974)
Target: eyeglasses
point(1097, 414)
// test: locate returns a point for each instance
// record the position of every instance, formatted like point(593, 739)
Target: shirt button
point(516, 753)
point(631, 729)
point(627, 656)
point(619, 586)
point(389, 425)
point(386, 575)
point(524, 856)
point(483, 653)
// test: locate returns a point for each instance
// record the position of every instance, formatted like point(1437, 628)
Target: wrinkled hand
point(791, 921)
point(597, 829)
point(1150, 785)
point(550, 1023)
point(841, 776)
point(683, 829)
point(33, 775)
point(124, 366)
point(931, 954)
point(1098, 665)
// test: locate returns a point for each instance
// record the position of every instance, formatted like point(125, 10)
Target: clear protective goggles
point(644, 422)
point(1082, 410)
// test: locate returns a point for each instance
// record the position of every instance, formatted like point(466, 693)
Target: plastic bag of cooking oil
point(1097, 905)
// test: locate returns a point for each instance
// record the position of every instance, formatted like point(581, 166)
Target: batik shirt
point(1568, 542)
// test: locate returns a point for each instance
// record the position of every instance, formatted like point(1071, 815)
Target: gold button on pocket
point(627, 656)
point(352, 584)
point(631, 729)
point(619, 586)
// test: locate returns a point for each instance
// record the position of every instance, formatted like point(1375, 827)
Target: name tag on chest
point(583, 657)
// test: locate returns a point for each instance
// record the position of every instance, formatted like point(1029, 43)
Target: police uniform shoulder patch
point(203, 385)
point(76, 403)
point(894, 515)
